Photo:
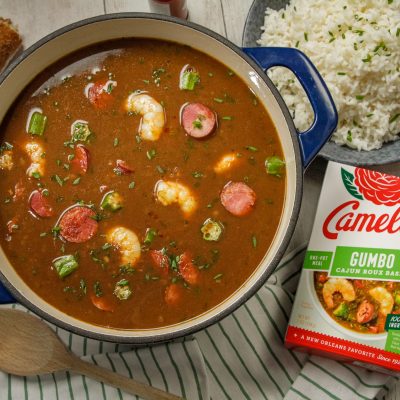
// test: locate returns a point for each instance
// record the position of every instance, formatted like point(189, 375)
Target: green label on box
point(366, 263)
point(392, 325)
point(319, 260)
point(392, 322)
point(393, 342)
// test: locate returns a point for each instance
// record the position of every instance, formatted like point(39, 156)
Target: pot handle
point(5, 296)
point(325, 113)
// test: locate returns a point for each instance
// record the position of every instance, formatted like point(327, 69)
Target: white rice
point(355, 45)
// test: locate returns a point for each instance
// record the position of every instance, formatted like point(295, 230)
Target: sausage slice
point(187, 269)
point(161, 261)
point(365, 312)
point(80, 163)
point(238, 198)
point(99, 96)
point(123, 167)
point(198, 120)
point(40, 205)
point(77, 225)
point(173, 294)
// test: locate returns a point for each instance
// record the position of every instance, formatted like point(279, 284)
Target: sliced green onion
point(275, 166)
point(218, 100)
point(212, 230)
point(112, 201)
point(251, 148)
point(57, 179)
point(150, 235)
point(254, 241)
point(132, 185)
point(65, 265)
point(37, 124)
point(394, 118)
point(151, 154)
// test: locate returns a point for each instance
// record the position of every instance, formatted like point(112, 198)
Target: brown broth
point(131, 63)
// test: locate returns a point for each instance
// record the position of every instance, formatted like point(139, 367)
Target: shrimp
point(35, 152)
point(6, 160)
point(333, 285)
point(384, 298)
point(127, 242)
point(168, 192)
point(152, 112)
point(225, 163)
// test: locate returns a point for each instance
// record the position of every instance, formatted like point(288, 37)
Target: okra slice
point(189, 78)
point(80, 131)
point(122, 290)
point(37, 124)
point(112, 201)
point(212, 230)
point(65, 265)
point(275, 166)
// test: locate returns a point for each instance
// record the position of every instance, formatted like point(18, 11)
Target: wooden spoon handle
point(113, 379)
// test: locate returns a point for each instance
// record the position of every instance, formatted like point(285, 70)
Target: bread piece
point(10, 42)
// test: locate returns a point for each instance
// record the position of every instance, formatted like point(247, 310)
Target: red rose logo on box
point(373, 186)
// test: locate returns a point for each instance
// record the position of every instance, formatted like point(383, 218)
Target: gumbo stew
point(359, 305)
point(141, 183)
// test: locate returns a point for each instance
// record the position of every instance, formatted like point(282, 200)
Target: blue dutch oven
point(250, 64)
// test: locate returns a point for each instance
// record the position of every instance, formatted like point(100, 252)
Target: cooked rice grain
point(356, 47)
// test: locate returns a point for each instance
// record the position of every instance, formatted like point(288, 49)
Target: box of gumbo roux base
point(347, 304)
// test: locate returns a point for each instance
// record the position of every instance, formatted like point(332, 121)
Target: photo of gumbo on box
point(347, 304)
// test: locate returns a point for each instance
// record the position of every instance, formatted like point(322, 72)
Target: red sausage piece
point(40, 205)
point(161, 261)
point(198, 120)
point(187, 269)
point(238, 198)
point(173, 294)
point(78, 224)
point(101, 303)
point(98, 95)
point(365, 312)
point(80, 162)
point(123, 167)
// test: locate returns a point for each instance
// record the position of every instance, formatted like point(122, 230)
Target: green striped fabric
point(242, 357)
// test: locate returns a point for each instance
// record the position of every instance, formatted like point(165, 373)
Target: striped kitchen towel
point(241, 357)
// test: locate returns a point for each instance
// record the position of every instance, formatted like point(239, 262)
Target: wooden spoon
point(29, 347)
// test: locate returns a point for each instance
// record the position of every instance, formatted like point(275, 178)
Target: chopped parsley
point(58, 179)
point(97, 289)
point(151, 154)
point(197, 123)
point(197, 174)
